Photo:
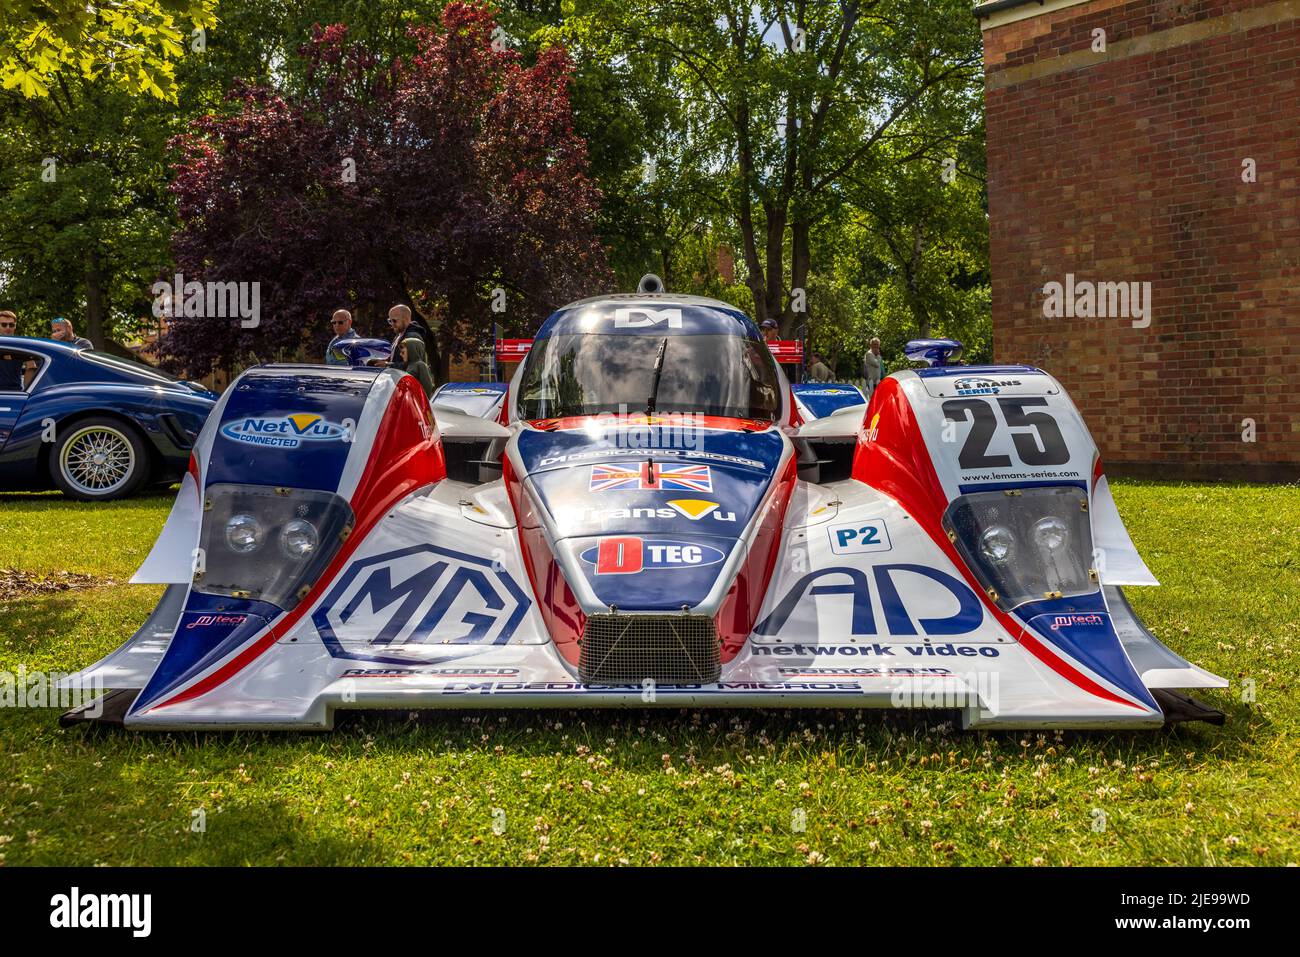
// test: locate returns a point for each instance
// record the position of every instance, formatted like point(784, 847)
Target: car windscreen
point(590, 374)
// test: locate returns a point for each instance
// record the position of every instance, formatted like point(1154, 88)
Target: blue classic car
point(93, 425)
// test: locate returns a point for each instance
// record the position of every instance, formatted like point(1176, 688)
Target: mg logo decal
point(405, 606)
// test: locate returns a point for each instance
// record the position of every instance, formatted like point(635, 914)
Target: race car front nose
point(651, 571)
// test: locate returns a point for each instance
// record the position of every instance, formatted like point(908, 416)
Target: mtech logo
point(630, 555)
point(1071, 621)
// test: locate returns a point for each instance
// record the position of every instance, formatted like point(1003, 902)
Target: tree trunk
point(800, 264)
point(775, 239)
point(753, 266)
point(913, 288)
point(95, 305)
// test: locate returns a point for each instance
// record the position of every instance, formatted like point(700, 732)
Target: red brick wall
point(464, 370)
point(1127, 166)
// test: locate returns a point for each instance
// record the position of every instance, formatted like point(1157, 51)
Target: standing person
point(818, 371)
point(770, 330)
point(404, 325)
point(341, 326)
point(872, 366)
point(411, 352)
point(61, 331)
point(11, 367)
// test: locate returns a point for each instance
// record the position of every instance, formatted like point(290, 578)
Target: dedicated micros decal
point(650, 477)
point(576, 457)
point(629, 555)
point(285, 431)
point(980, 386)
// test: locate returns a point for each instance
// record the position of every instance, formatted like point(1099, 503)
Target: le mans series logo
point(976, 385)
point(285, 431)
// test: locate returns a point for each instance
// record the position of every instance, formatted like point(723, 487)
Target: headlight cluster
point(268, 543)
point(1025, 544)
point(298, 538)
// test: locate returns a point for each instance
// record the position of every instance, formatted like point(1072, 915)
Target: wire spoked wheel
point(98, 459)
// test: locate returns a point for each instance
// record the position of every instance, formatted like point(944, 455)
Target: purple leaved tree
point(433, 181)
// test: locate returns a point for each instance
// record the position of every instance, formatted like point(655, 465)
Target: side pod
point(997, 467)
point(296, 465)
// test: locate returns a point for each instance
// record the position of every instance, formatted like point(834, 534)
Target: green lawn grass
point(830, 787)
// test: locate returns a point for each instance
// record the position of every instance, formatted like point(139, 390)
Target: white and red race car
point(648, 515)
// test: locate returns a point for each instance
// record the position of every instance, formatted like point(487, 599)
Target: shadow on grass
point(55, 499)
point(713, 735)
point(41, 617)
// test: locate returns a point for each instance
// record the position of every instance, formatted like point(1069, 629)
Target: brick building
point(1165, 150)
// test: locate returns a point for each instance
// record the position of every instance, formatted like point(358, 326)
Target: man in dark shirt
point(404, 324)
point(11, 367)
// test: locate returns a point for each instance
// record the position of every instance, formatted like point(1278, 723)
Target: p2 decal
point(858, 537)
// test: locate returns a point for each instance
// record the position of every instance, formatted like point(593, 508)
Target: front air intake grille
point(668, 649)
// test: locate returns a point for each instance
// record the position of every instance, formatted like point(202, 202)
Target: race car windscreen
point(590, 374)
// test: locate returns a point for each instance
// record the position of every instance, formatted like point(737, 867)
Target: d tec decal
point(629, 555)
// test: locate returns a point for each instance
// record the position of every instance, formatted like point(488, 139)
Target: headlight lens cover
point(1025, 544)
point(244, 533)
point(998, 544)
point(305, 526)
point(298, 539)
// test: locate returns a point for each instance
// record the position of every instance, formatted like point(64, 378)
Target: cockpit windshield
point(590, 374)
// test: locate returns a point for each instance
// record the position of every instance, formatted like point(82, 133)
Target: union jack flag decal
point(650, 477)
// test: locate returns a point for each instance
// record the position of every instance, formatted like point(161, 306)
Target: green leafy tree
point(84, 216)
point(131, 44)
point(782, 100)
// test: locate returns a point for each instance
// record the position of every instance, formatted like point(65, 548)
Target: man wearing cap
point(61, 331)
point(770, 330)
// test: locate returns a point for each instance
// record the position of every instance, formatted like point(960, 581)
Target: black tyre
point(98, 459)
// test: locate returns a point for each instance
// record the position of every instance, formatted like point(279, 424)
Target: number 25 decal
point(984, 424)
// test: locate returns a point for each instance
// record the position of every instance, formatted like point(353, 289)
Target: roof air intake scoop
point(650, 283)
